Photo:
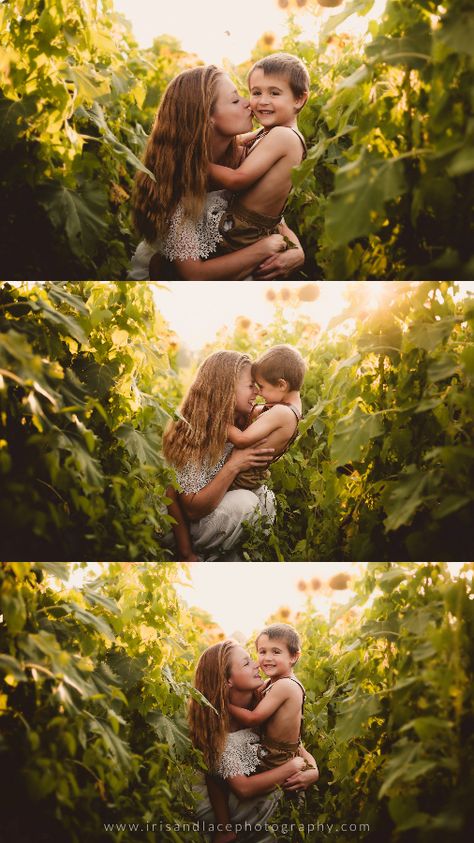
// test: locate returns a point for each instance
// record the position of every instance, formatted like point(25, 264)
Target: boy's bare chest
point(285, 723)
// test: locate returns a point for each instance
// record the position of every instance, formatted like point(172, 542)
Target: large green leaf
point(362, 189)
point(78, 215)
point(353, 716)
point(403, 497)
point(353, 433)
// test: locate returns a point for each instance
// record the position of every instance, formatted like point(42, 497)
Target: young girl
point(278, 375)
point(205, 463)
point(279, 86)
point(226, 674)
point(198, 120)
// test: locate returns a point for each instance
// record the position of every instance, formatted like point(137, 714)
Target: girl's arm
point(274, 146)
point(246, 786)
point(234, 435)
point(304, 778)
point(265, 708)
point(234, 266)
point(197, 505)
point(306, 756)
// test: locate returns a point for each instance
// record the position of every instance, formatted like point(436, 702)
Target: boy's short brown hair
point(281, 361)
point(282, 632)
point(290, 67)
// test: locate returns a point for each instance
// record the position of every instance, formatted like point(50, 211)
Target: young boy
point(279, 374)
point(280, 711)
point(279, 88)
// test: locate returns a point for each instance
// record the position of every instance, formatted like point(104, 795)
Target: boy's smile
point(272, 100)
point(274, 657)
point(271, 393)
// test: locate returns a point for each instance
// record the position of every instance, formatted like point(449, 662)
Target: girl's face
point(231, 115)
point(244, 673)
point(245, 391)
point(274, 656)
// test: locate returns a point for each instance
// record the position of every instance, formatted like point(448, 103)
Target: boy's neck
point(290, 124)
point(288, 675)
point(291, 397)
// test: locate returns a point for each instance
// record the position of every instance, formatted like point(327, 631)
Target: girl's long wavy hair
point(209, 728)
point(177, 152)
point(207, 410)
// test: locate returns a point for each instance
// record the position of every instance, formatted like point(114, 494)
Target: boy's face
point(272, 100)
point(271, 393)
point(274, 657)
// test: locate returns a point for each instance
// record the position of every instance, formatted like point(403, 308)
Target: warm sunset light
point(223, 303)
point(217, 31)
point(241, 597)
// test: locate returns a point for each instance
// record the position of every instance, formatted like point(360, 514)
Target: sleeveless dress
point(215, 536)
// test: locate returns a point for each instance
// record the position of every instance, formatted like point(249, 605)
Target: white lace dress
point(186, 240)
point(254, 814)
point(240, 755)
point(215, 536)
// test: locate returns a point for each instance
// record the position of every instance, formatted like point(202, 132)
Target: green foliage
point(390, 705)
point(94, 682)
point(92, 702)
point(86, 386)
point(387, 190)
point(382, 468)
point(77, 101)
point(383, 465)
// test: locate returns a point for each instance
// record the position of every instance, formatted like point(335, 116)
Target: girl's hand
point(280, 265)
point(296, 764)
point(302, 779)
point(253, 457)
point(273, 244)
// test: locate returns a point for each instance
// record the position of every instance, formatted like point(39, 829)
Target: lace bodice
point(240, 755)
point(192, 478)
point(189, 240)
point(186, 239)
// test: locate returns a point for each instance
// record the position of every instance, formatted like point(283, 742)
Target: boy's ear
point(296, 658)
point(301, 102)
point(283, 384)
